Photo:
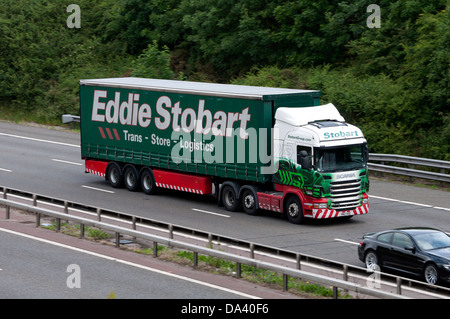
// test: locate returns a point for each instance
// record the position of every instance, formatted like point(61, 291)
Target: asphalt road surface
point(32, 268)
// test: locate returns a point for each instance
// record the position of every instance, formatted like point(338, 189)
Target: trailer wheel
point(249, 202)
point(294, 211)
point(148, 184)
point(229, 199)
point(114, 175)
point(131, 178)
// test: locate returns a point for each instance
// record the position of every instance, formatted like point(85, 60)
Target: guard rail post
point(399, 285)
point(285, 282)
point(155, 249)
point(7, 210)
point(82, 230)
point(195, 259)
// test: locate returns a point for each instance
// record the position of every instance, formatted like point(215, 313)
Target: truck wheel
point(114, 175)
point(294, 211)
point(229, 199)
point(148, 184)
point(131, 178)
point(249, 202)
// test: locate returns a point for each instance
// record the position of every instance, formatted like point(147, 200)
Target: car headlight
point(447, 267)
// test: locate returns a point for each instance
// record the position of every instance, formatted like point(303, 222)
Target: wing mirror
point(411, 249)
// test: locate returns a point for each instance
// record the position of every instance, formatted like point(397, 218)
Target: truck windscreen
point(342, 158)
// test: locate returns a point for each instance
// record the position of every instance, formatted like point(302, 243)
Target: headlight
point(320, 205)
point(447, 267)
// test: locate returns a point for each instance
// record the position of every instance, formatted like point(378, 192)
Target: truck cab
point(322, 160)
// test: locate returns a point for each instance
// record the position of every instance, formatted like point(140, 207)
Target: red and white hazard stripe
point(95, 172)
point(96, 167)
point(180, 188)
point(332, 213)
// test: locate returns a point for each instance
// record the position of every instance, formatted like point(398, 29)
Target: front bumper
point(322, 213)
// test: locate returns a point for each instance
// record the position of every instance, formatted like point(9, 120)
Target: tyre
point(249, 202)
point(229, 198)
point(114, 175)
point(371, 261)
point(131, 178)
point(293, 210)
point(431, 274)
point(148, 184)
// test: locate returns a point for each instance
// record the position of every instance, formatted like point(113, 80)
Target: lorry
point(253, 148)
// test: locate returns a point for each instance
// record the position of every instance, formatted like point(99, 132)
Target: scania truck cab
point(323, 156)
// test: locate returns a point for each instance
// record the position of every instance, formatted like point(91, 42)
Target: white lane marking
point(98, 189)
point(39, 140)
point(410, 203)
point(66, 162)
point(133, 264)
point(346, 241)
point(211, 213)
point(5, 170)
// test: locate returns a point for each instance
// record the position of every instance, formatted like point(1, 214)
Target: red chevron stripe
point(101, 132)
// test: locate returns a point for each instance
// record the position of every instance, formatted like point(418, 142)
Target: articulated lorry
point(254, 148)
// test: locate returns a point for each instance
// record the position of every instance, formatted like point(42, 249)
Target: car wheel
point(371, 261)
point(431, 274)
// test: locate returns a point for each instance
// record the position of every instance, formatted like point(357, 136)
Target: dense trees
point(392, 81)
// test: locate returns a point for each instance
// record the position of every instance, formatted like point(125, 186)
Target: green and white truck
point(254, 148)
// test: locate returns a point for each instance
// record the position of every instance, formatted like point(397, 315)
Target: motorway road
point(47, 162)
point(32, 268)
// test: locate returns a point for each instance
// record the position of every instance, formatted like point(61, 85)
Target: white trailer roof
point(188, 87)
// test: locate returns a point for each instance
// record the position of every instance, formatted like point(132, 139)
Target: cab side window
point(306, 149)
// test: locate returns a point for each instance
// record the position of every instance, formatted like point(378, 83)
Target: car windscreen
point(435, 240)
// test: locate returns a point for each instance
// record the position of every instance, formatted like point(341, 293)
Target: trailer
point(252, 147)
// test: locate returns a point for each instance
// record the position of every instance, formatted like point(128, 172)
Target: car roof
point(412, 230)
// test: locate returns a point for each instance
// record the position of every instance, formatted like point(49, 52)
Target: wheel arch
point(289, 194)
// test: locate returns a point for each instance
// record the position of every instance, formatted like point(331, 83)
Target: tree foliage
point(392, 81)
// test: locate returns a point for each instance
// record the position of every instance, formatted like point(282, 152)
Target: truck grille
point(345, 195)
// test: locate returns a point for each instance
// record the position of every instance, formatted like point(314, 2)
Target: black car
point(423, 252)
